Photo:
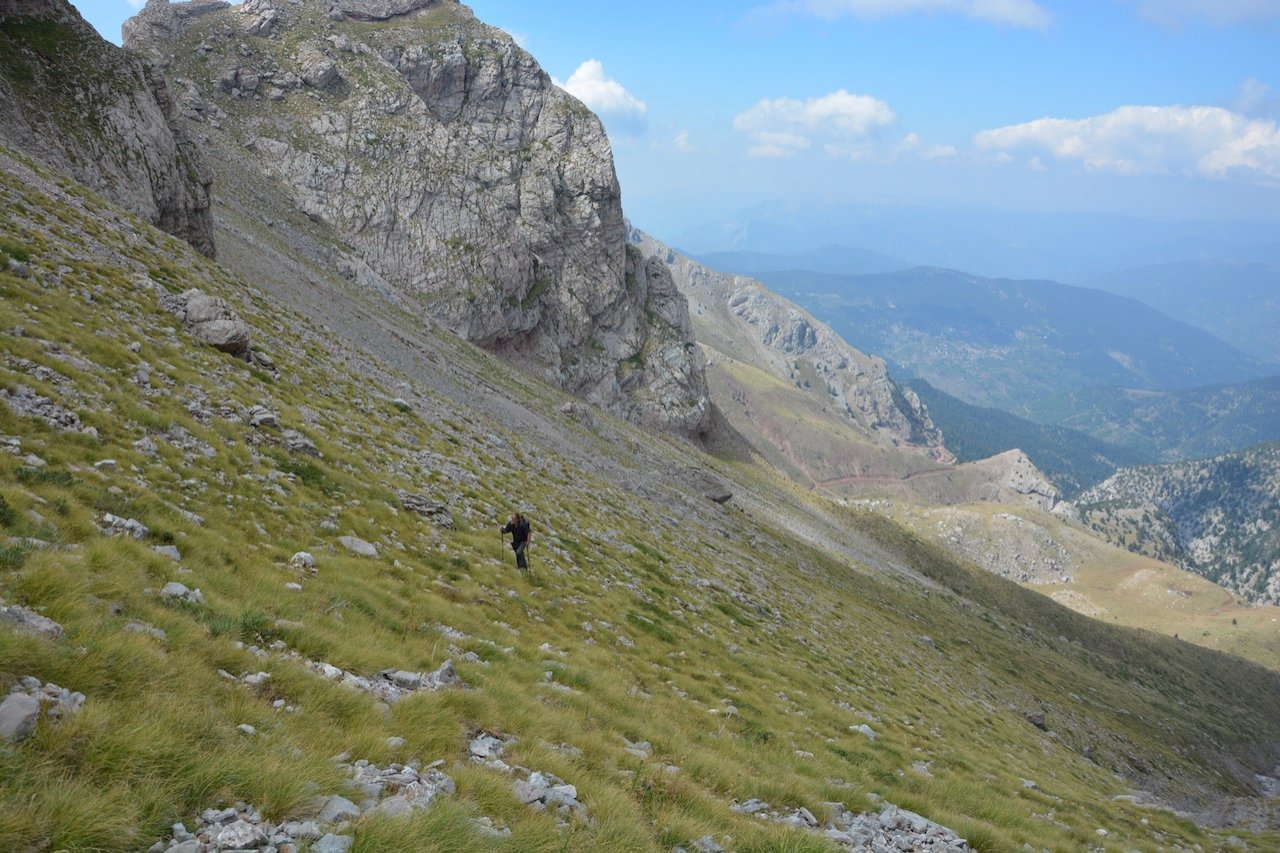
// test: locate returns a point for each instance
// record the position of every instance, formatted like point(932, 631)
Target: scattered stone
point(261, 416)
point(1037, 719)
point(396, 743)
point(118, 526)
point(146, 446)
point(427, 508)
point(893, 829)
point(296, 442)
point(27, 403)
point(19, 714)
point(144, 628)
point(357, 545)
point(546, 791)
point(303, 560)
point(866, 730)
point(246, 729)
point(643, 749)
point(169, 551)
point(17, 717)
point(173, 589)
point(389, 685)
point(27, 621)
point(331, 843)
point(337, 808)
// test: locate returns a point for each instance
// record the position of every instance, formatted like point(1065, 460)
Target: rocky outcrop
point(1215, 517)
point(455, 172)
point(746, 321)
point(101, 115)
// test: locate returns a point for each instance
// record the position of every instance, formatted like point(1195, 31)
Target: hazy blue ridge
point(1012, 344)
point(1239, 301)
point(1172, 425)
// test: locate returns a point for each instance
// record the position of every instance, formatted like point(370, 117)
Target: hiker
point(518, 527)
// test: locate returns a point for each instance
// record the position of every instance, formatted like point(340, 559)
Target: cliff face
point(454, 171)
point(101, 115)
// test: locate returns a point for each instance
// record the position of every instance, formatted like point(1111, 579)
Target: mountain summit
point(452, 175)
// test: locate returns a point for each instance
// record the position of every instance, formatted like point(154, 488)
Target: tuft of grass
point(44, 477)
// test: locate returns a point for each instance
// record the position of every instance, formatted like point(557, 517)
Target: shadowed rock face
point(100, 114)
point(454, 171)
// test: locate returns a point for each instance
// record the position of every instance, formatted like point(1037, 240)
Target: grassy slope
point(749, 651)
point(1106, 582)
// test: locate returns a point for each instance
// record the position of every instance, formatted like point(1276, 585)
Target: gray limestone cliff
point(101, 115)
point(455, 176)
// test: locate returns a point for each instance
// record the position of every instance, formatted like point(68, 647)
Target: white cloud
point(1013, 13)
point(1222, 13)
point(681, 142)
point(912, 144)
point(783, 127)
point(607, 97)
point(1209, 142)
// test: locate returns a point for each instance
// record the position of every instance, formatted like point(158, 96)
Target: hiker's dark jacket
point(519, 531)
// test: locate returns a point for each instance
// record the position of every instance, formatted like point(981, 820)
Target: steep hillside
point(1168, 426)
point(1216, 517)
point(276, 559)
point(447, 172)
point(1238, 301)
point(1071, 459)
point(98, 113)
point(1011, 344)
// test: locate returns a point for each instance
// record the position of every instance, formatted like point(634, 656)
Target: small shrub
point(13, 556)
point(14, 250)
point(44, 476)
point(7, 515)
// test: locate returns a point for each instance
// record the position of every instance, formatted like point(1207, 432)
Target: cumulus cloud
point(1222, 13)
point(1209, 142)
point(681, 142)
point(619, 109)
point(1013, 13)
point(784, 127)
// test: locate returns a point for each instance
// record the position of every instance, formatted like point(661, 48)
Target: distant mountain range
point(1074, 460)
point(1239, 301)
point(841, 260)
point(1216, 517)
point(1172, 425)
point(1013, 344)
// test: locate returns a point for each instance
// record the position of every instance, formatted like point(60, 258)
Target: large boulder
point(211, 320)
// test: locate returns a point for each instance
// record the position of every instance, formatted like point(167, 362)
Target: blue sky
point(1155, 108)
